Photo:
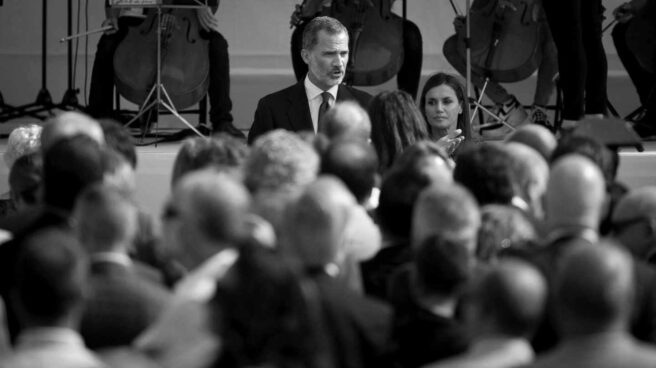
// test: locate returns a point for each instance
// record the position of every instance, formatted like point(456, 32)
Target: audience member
point(505, 307)
point(358, 327)
point(121, 302)
point(419, 166)
point(204, 221)
point(634, 223)
point(119, 138)
point(22, 141)
point(503, 229)
point(280, 160)
point(69, 166)
point(535, 136)
point(425, 300)
point(266, 314)
point(347, 120)
point(396, 123)
point(221, 152)
point(69, 124)
point(607, 161)
point(449, 211)
point(531, 172)
point(48, 296)
point(486, 169)
point(301, 106)
point(25, 182)
point(594, 291)
point(574, 200)
point(355, 163)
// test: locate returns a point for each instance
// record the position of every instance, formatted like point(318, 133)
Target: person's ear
point(305, 54)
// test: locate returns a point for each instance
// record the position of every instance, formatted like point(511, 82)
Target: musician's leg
point(564, 17)
point(592, 13)
point(101, 90)
point(642, 79)
point(300, 68)
point(219, 86)
point(408, 77)
point(547, 69)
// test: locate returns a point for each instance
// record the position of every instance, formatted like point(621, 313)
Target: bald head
point(511, 296)
point(68, 124)
point(449, 211)
point(575, 193)
point(633, 221)
point(347, 119)
point(531, 171)
point(317, 220)
point(535, 136)
point(594, 289)
point(206, 212)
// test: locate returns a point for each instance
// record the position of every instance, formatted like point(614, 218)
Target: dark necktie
point(325, 105)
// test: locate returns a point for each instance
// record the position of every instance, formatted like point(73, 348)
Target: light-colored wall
point(257, 30)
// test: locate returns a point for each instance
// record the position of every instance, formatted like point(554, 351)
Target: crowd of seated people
point(293, 253)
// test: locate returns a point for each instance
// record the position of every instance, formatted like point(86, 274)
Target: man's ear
point(305, 54)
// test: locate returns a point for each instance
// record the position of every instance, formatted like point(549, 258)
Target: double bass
point(375, 37)
point(184, 59)
point(504, 39)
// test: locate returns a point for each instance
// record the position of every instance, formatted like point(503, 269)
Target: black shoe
point(228, 128)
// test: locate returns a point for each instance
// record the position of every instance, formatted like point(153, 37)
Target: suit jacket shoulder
point(289, 109)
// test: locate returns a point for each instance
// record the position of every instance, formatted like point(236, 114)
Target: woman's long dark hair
point(396, 123)
point(458, 86)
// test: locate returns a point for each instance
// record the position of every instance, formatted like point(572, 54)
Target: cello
point(375, 36)
point(504, 40)
point(184, 59)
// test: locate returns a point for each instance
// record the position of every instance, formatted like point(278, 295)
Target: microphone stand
point(70, 96)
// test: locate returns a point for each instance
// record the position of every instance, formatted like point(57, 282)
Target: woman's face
point(442, 107)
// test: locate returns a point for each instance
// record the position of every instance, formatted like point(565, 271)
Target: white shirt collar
point(313, 91)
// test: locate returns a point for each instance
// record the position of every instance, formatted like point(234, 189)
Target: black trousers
point(576, 29)
point(101, 92)
point(408, 76)
point(643, 80)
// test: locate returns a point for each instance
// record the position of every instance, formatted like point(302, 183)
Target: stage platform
point(637, 169)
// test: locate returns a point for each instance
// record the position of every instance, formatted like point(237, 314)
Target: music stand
point(158, 90)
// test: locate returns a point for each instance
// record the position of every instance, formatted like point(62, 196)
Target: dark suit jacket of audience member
point(120, 306)
point(419, 335)
point(643, 320)
point(289, 109)
point(377, 271)
point(38, 219)
point(358, 327)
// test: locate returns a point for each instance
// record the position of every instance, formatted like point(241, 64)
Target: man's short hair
point(69, 166)
point(118, 138)
point(355, 163)
point(443, 266)
point(486, 169)
point(327, 24)
point(280, 160)
point(221, 152)
point(50, 275)
point(106, 217)
point(513, 293)
point(22, 141)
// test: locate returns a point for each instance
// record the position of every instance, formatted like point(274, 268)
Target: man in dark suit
point(299, 107)
point(357, 327)
point(121, 302)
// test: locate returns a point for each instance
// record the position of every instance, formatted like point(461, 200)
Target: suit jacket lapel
point(343, 94)
point(299, 109)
